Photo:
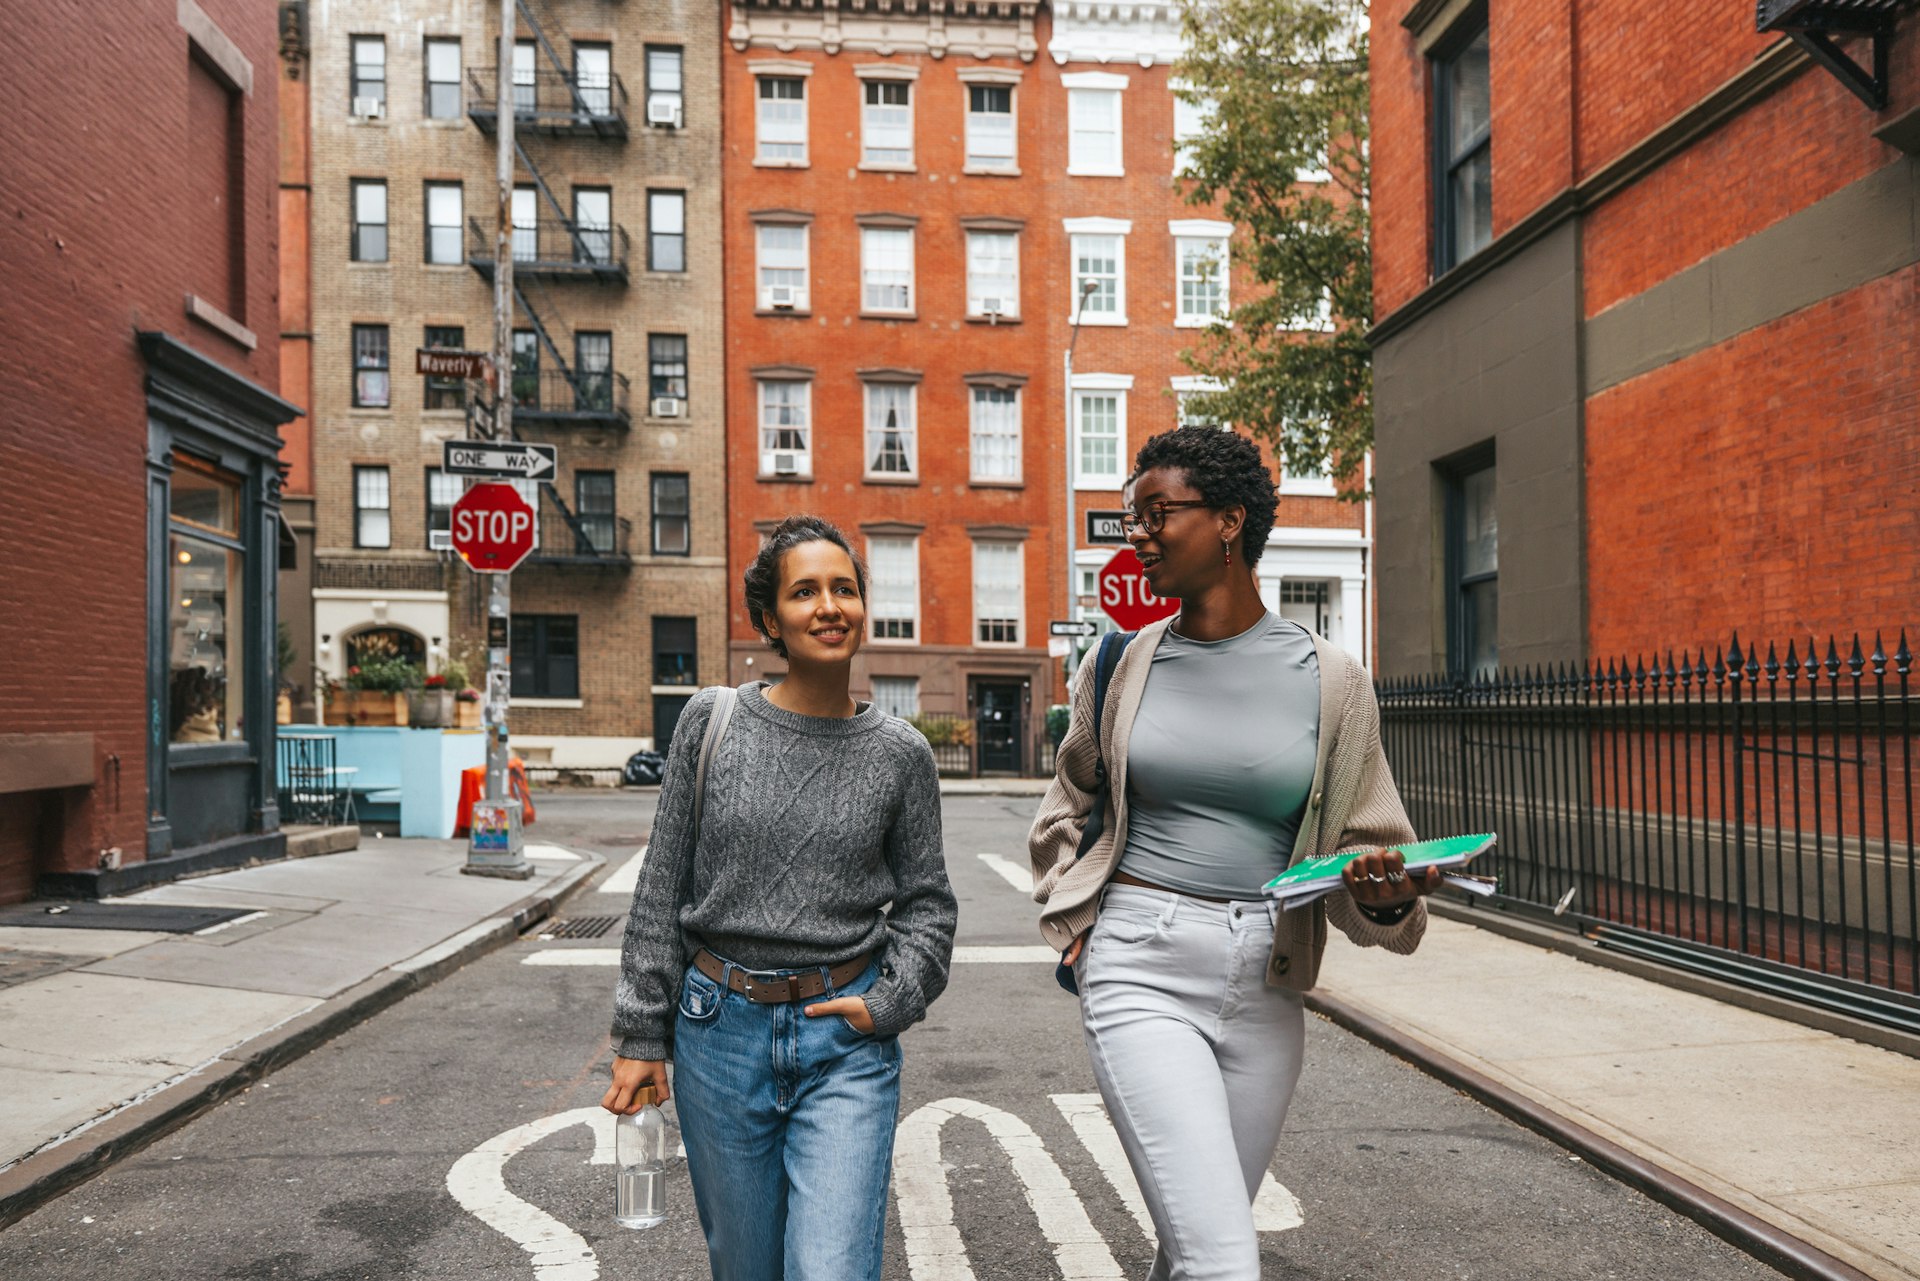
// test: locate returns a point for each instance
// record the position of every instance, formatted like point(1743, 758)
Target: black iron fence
point(551, 101)
point(554, 247)
point(583, 538)
point(1746, 814)
point(593, 397)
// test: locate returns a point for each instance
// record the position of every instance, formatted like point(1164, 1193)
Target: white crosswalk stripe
point(1011, 872)
point(626, 877)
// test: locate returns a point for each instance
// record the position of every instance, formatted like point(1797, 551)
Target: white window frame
point(1019, 560)
point(783, 71)
point(975, 436)
point(879, 609)
point(1186, 231)
point(890, 76)
point(442, 44)
point(1010, 163)
point(762, 290)
point(870, 432)
point(1319, 485)
point(1190, 120)
point(976, 294)
point(909, 683)
point(1087, 564)
point(867, 247)
point(1077, 229)
point(1090, 385)
point(1082, 88)
point(1185, 385)
point(803, 460)
point(458, 225)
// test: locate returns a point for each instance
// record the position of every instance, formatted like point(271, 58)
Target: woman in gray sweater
point(787, 927)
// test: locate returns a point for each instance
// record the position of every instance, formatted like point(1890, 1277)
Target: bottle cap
point(646, 1096)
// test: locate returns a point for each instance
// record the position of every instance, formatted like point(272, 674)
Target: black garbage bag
point(644, 769)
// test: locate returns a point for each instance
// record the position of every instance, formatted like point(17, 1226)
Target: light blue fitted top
point(1220, 760)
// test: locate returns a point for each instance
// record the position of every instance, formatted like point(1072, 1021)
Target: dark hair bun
point(761, 582)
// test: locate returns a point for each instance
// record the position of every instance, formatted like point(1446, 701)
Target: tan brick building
point(618, 614)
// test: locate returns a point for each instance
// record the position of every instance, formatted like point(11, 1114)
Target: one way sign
point(513, 459)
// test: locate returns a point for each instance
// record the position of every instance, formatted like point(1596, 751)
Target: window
point(666, 103)
point(893, 587)
point(1318, 481)
point(525, 84)
point(996, 434)
point(594, 511)
point(667, 366)
point(666, 231)
point(526, 369)
point(890, 429)
point(443, 79)
point(990, 126)
point(783, 267)
point(206, 568)
point(526, 224)
point(546, 656)
point(1086, 603)
point(781, 132)
point(1203, 279)
point(446, 393)
point(368, 78)
point(214, 191)
point(999, 591)
point(1100, 431)
point(897, 695)
point(1463, 151)
point(1473, 563)
point(1190, 120)
point(372, 508)
point(443, 223)
point(369, 220)
point(1187, 389)
point(993, 274)
point(675, 654)
point(1093, 129)
point(593, 372)
point(442, 492)
point(886, 269)
point(886, 123)
point(593, 76)
point(672, 524)
point(371, 387)
point(786, 435)
point(593, 220)
point(1101, 261)
point(1307, 602)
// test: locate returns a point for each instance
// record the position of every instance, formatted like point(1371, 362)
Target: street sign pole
point(494, 843)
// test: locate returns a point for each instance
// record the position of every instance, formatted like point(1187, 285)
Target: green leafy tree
point(1283, 88)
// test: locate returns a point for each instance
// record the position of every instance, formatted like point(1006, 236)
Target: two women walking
point(793, 914)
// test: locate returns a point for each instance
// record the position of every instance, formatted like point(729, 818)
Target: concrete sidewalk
point(112, 1037)
point(1807, 1132)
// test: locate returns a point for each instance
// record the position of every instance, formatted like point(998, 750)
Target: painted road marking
point(1275, 1209)
point(478, 1182)
point(1001, 954)
point(626, 878)
point(553, 853)
point(1010, 872)
point(935, 1251)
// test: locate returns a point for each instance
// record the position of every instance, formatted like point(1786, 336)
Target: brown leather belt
point(1125, 878)
point(782, 987)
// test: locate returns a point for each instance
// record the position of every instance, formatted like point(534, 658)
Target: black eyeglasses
point(1154, 518)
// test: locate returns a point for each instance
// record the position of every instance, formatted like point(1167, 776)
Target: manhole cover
point(580, 927)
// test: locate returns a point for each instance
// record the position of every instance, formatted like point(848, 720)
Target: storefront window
point(205, 685)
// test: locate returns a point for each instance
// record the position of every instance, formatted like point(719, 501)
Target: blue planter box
point(406, 776)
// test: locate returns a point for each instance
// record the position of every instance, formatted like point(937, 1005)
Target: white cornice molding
point(1098, 226)
point(979, 29)
point(1146, 32)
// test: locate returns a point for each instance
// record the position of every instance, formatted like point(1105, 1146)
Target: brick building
point(1645, 320)
point(142, 528)
point(616, 348)
point(913, 202)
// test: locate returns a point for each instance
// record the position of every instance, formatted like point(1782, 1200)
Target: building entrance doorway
point(1306, 603)
point(999, 725)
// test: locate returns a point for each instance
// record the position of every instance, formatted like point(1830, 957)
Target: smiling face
point(818, 613)
point(1187, 555)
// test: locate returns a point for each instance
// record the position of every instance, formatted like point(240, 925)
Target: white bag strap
point(722, 712)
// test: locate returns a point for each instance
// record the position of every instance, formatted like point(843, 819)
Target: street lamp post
point(1066, 475)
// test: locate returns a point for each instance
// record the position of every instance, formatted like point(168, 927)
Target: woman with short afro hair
point(1231, 743)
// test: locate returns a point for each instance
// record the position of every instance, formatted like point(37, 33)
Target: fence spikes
point(1793, 663)
point(1879, 656)
point(1734, 657)
point(1855, 660)
point(1773, 665)
point(1833, 660)
point(1902, 657)
point(1753, 662)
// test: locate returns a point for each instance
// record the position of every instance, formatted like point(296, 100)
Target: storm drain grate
point(580, 927)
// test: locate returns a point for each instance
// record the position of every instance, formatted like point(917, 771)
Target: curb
point(1773, 1246)
point(41, 1177)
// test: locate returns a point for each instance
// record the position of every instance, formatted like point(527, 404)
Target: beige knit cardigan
point(1353, 804)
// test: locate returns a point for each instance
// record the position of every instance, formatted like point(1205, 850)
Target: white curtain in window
point(999, 583)
point(996, 433)
point(993, 272)
point(887, 123)
point(890, 429)
point(893, 566)
point(1093, 129)
point(443, 222)
point(886, 268)
point(783, 118)
point(783, 259)
point(783, 417)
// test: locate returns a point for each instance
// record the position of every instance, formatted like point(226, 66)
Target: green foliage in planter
point(385, 676)
point(943, 731)
point(1057, 718)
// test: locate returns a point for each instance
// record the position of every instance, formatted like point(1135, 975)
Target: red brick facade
point(106, 204)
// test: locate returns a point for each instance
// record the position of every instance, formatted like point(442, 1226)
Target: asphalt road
point(454, 1136)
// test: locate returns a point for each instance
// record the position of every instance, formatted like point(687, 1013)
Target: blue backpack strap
point(1112, 646)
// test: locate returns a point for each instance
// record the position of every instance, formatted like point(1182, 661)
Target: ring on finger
point(1376, 878)
point(1396, 877)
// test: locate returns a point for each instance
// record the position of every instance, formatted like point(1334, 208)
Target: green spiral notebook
point(1311, 878)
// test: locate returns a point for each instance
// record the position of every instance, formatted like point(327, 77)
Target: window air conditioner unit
point(439, 540)
point(786, 464)
point(368, 108)
point(664, 111)
point(667, 406)
point(993, 306)
point(782, 297)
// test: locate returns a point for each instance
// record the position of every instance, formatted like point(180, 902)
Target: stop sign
point(1125, 596)
point(493, 528)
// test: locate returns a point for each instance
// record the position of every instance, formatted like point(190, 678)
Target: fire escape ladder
point(546, 338)
point(580, 250)
point(566, 73)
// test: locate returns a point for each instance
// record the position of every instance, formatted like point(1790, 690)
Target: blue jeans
point(788, 1123)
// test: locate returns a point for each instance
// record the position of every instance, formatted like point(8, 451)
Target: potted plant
point(431, 706)
point(466, 709)
point(377, 691)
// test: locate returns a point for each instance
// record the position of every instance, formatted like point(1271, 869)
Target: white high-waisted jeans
point(1196, 1058)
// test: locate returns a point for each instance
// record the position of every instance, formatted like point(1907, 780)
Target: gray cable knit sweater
point(812, 826)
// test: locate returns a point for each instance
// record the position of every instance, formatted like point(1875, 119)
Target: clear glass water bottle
point(640, 1165)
